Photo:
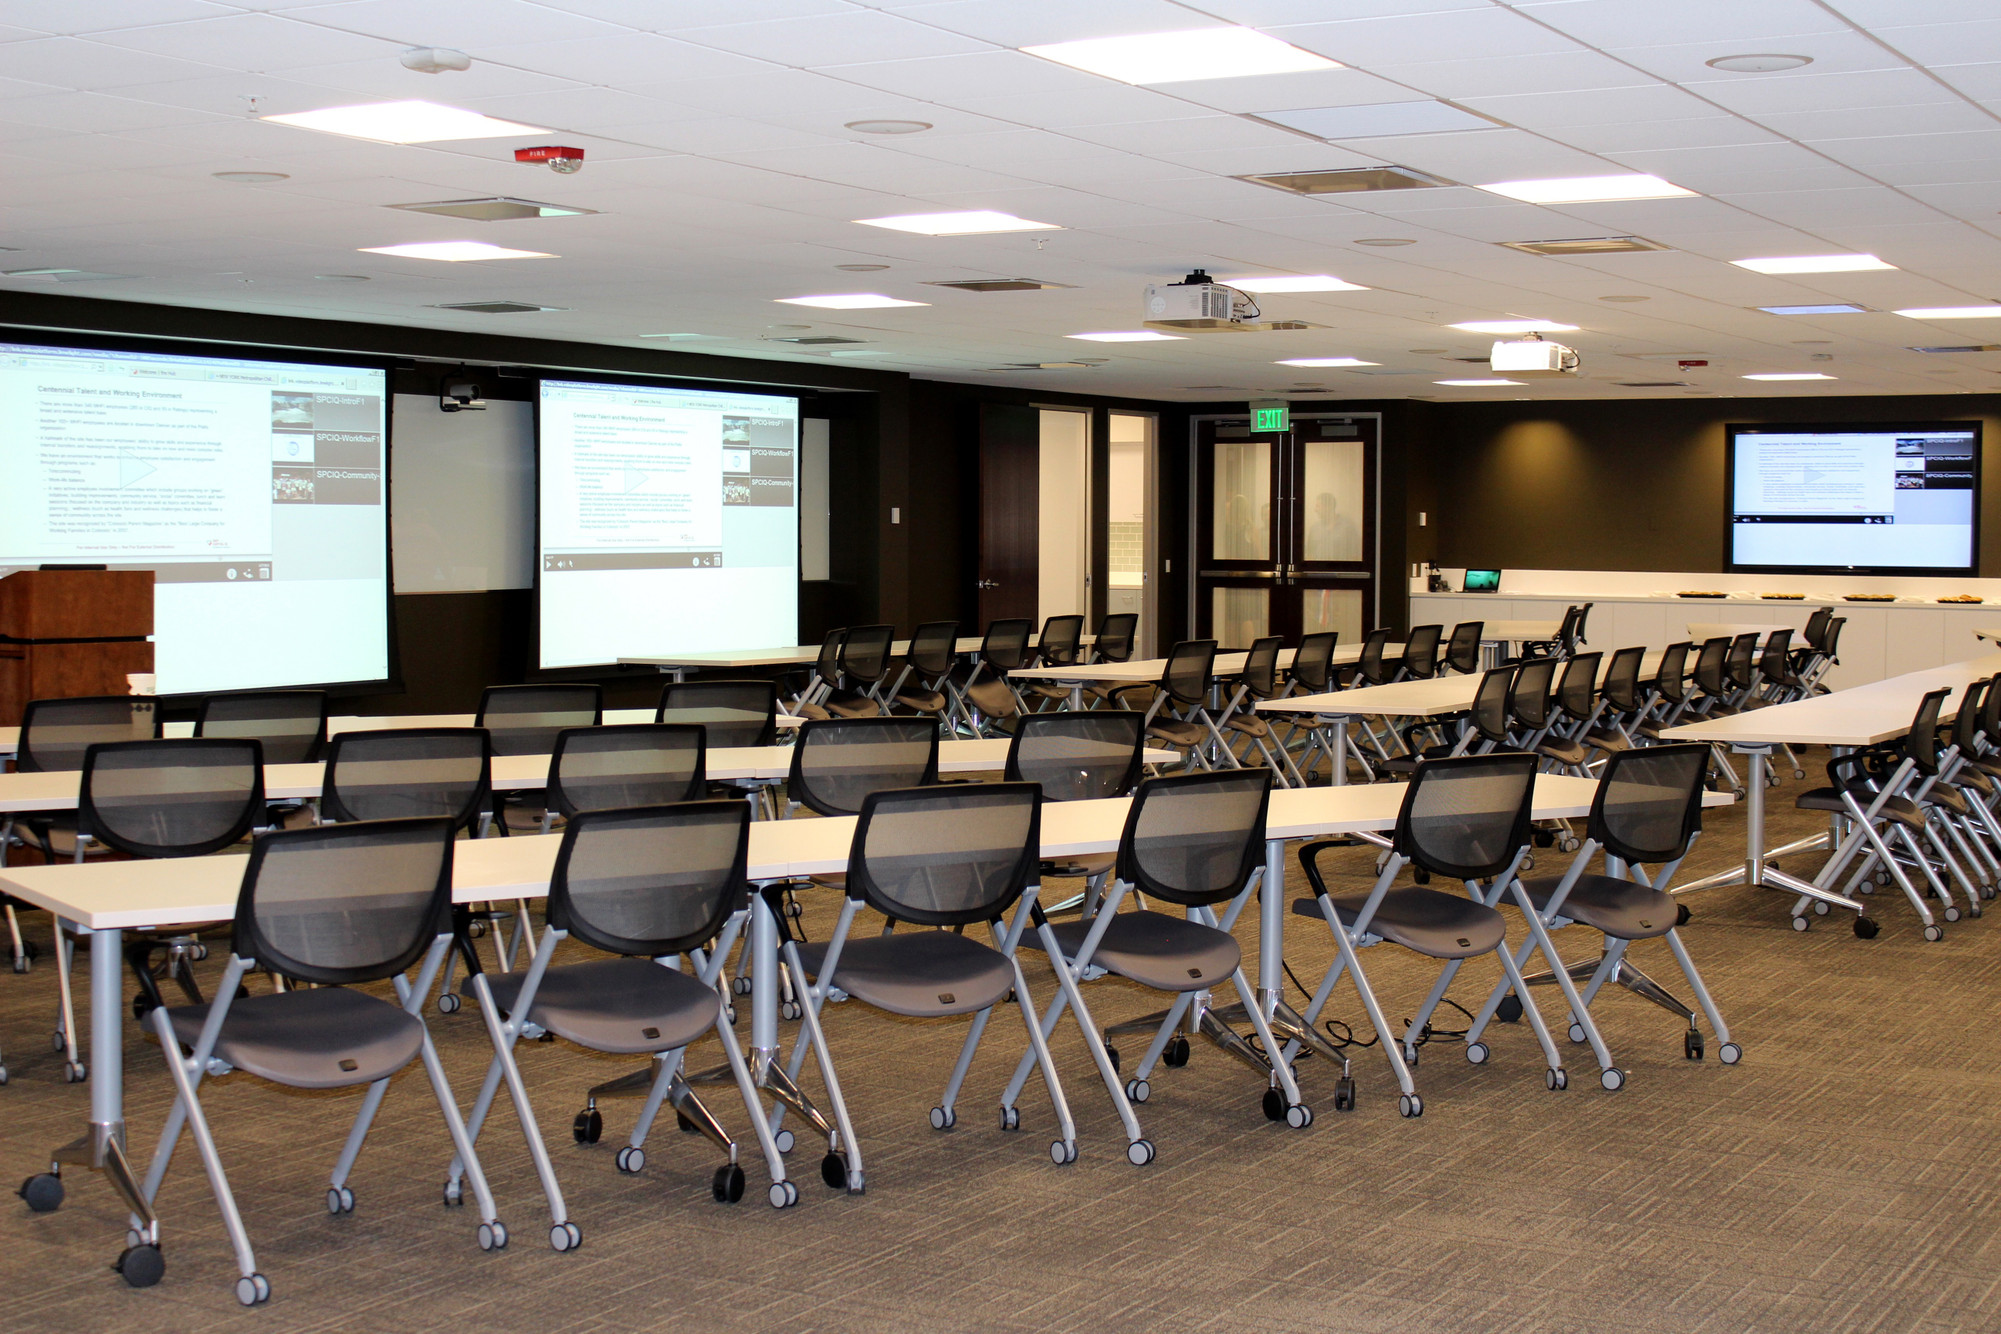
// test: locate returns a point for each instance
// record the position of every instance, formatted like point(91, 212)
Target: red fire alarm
point(559, 158)
point(1691, 365)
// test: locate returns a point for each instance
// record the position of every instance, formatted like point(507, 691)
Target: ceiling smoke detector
point(434, 59)
point(560, 159)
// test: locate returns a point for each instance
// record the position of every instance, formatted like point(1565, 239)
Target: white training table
point(1146, 671)
point(785, 655)
point(1702, 630)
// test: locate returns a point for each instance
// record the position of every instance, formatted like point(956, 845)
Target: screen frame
point(1733, 429)
point(542, 375)
point(292, 356)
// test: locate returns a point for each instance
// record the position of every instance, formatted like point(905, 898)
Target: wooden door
point(1010, 498)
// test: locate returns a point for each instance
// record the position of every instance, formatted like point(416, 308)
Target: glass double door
point(1285, 530)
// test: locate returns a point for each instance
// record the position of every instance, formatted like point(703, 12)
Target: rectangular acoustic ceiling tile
point(1378, 119)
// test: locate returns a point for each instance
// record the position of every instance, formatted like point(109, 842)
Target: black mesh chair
point(1059, 645)
point(1179, 714)
point(925, 685)
point(1420, 654)
point(735, 713)
point(1482, 729)
point(1196, 841)
point(1530, 709)
point(640, 884)
point(864, 666)
point(292, 724)
point(1463, 819)
point(838, 762)
point(941, 859)
point(1257, 682)
point(1624, 704)
point(1667, 694)
point(335, 907)
point(1116, 635)
point(1462, 650)
point(1369, 668)
point(1567, 633)
point(524, 720)
point(1574, 709)
point(627, 764)
point(823, 679)
point(1088, 756)
point(1647, 812)
point(992, 697)
point(1311, 673)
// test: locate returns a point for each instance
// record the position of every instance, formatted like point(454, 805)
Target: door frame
point(1195, 498)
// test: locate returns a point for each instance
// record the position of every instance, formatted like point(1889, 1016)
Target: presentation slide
point(1871, 498)
point(669, 521)
point(252, 489)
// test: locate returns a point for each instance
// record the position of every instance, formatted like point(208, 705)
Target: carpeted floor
point(1842, 1178)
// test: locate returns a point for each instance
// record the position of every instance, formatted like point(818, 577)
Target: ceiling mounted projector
point(1534, 358)
point(1200, 304)
point(460, 396)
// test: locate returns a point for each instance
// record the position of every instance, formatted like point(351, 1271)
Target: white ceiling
point(717, 157)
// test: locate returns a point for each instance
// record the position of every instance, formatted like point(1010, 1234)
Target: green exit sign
point(1271, 417)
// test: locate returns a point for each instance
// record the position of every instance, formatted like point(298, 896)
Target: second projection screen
point(669, 521)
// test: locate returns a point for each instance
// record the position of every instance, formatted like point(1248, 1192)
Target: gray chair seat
point(853, 706)
point(830, 879)
point(1563, 750)
point(923, 701)
point(1435, 924)
point(923, 974)
point(1620, 908)
point(1177, 733)
point(1250, 724)
point(614, 1005)
point(1050, 689)
point(58, 834)
point(1155, 950)
point(1602, 739)
point(811, 711)
point(1086, 867)
point(993, 698)
point(322, 1038)
point(1901, 809)
point(1951, 798)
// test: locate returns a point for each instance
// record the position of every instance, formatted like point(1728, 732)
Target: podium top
point(76, 604)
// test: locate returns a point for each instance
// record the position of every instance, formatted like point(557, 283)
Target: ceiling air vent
point(817, 340)
point(1590, 245)
point(1348, 180)
point(496, 307)
point(1048, 366)
point(999, 284)
point(1653, 384)
point(495, 209)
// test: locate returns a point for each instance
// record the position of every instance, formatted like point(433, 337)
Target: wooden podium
point(65, 633)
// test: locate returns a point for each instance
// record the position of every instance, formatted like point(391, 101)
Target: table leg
point(1340, 750)
point(763, 985)
point(1271, 928)
point(1757, 872)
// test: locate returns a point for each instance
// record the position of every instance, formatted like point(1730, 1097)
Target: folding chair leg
point(949, 1101)
point(503, 1037)
point(1067, 1141)
point(1351, 964)
point(1702, 998)
point(813, 1035)
point(1068, 992)
point(66, 1006)
point(1580, 1013)
point(411, 994)
point(188, 1103)
point(1534, 1016)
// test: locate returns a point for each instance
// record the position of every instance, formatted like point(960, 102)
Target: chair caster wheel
point(1577, 1032)
point(1820, 909)
point(455, 1195)
point(727, 1184)
point(1410, 1057)
point(1176, 1054)
point(740, 986)
point(43, 1193)
point(1544, 838)
point(1934, 932)
point(1476, 1053)
point(1509, 1011)
point(251, 1289)
point(1274, 1105)
point(1951, 914)
point(58, 1040)
point(141, 1007)
point(1729, 1053)
point(630, 1160)
point(834, 1170)
point(1556, 1079)
point(1682, 914)
point(565, 1237)
point(783, 1139)
point(340, 1200)
point(789, 1010)
point(1344, 1094)
point(944, 1118)
point(3, 1076)
point(1139, 1090)
point(1410, 1105)
point(1423, 877)
point(783, 1195)
point(1299, 1116)
point(1691, 1045)
point(1010, 1118)
point(76, 1072)
point(1140, 1152)
point(1866, 928)
point(493, 1236)
point(1063, 1152)
point(1612, 1080)
point(448, 1004)
point(1802, 922)
point(1986, 892)
point(588, 1127)
point(1112, 1055)
point(685, 1126)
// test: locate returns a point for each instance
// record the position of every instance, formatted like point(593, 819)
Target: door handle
point(987, 583)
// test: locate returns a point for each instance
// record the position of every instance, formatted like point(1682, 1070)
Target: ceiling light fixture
point(250, 177)
point(1789, 375)
point(1591, 245)
point(496, 307)
point(1127, 336)
point(848, 301)
point(1476, 384)
point(494, 208)
point(968, 222)
point(888, 126)
point(454, 252)
point(1624, 186)
point(1514, 327)
point(1766, 64)
point(1347, 180)
point(1326, 361)
point(404, 123)
point(1951, 312)
point(1813, 264)
point(1960, 347)
point(63, 275)
point(1177, 57)
point(1831, 308)
point(1310, 282)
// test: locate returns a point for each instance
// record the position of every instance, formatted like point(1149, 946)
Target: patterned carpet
point(1842, 1178)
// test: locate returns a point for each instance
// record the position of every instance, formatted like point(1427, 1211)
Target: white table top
point(136, 894)
point(1863, 716)
point(1413, 699)
point(1514, 632)
point(1149, 669)
point(1701, 630)
point(788, 655)
point(1991, 633)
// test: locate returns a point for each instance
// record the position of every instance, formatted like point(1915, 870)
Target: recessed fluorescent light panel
point(1789, 375)
point(1180, 57)
point(1832, 308)
point(496, 307)
point(1589, 245)
point(1308, 282)
point(1476, 384)
point(1326, 361)
point(63, 275)
point(405, 123)
point(1962, 347)
point(1590, 189)
point(849, 301)
point(1515, 327)
point(1377, 119)
point(454, 252)
point(1952, 313)
point(494, 209)
point(1813, 264)
point(970, 222)
point(1127, 336)
point(1347, 180)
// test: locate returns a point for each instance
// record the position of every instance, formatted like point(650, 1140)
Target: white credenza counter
point(1881, 639)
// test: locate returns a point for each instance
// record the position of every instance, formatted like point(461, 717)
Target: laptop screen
point(1482, 581)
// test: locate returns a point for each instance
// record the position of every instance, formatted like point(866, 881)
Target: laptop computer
point(1482, 581)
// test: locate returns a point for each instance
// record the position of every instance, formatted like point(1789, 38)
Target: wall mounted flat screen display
point(252, 489)
point(1861, 499)
point(668, 521)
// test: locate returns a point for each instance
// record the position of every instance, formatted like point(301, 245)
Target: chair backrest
point(1528, 698)
point(865, 653)
point(1709, 665)
point(178, 797)
point(1060, 640)
point(1462, 650)
point(341, 904)
point(629, 764)
point(1577, 631)
point(1313, 662)
point(409, 771)
point(1489, 715)
point(1420, 651)
point(1077, 756)
point(1671, 676)
point(524, 720)
point(1566, 631)
point(1195, 838)
point(292, 724)
point(736, 713)
point(1186, 676)
point(946, 856)
point(1649, 801)
point(1833, 635)
point(1816, 627)
point(1740, 664)
point(1370, 665)
point(838, 762)
point(1260, 674)
point(1921, 742)
point(1622, 679)
point(1577, 692)
point(1005, 647)
point(827, 666)
point(1773, 658)
point(1990, 714)
point(1966, 722)
point(934, 648)
point(1115, 636)
point(56, 732)
point(651, 880)
point(1467, 817)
